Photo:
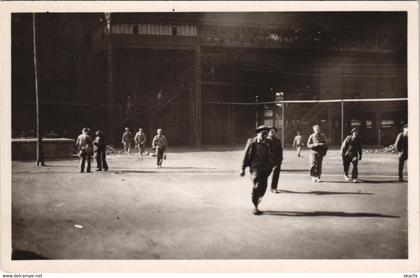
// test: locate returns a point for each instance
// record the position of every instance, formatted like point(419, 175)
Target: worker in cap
point(257, 158)
point(351, 152)
point(85, 146)
point(317, 143)
point(276, 158)
point(401, 145)
point(100, 151)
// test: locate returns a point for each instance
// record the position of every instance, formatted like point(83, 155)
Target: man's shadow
point(324, 192)
point(327, 213)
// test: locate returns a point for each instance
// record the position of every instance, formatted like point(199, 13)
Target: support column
point(342, 121)
point(331, 133)
point(110, 118)
point(378, 127)
point(231, 108)
point(197, 99)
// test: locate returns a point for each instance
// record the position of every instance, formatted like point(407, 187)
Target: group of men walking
point(97, 147)
point(264, 155)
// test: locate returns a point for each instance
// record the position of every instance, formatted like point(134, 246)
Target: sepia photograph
point(235, 136)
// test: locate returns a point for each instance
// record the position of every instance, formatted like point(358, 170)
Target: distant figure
point(126, 140)
point(160, 145)
point(401, 145)
point(100, 151)
point(84, 144)
point(140, 140)
point(351, 152)
point(317, 142)
point(276, 158)
point(298, 143)
point(257, 158)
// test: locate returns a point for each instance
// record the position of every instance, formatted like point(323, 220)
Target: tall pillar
point(331, 133)
point(378, 126)
point(231, 109)
point(110, 118)
point(197, 99)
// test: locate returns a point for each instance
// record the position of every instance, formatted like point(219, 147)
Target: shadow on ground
point(324, 192)
point(327, 213)
point(27, 255)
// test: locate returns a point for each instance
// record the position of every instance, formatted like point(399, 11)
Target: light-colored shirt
point(140, 138)
point(297, 142)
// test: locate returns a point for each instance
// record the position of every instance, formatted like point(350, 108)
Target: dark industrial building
point(210, 78)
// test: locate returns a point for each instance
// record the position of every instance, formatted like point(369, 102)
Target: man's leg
point(298, 151)
point(319, 159)
point(259, 179)
point(275, 177)
point(98, 161)
point(401, 161)
point(82, 162)
point(346, 165)
point(103, 158)
point(312, 165)
point(89, 159)
point(355, 171)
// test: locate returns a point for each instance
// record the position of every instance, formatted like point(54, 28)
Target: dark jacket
point(257, 156)
point(276, 150)
point(401, 144)
point(351, 147)
point(99, 144)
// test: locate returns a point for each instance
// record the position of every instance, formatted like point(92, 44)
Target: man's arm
point(310, 143)
point(247, 157)
point(397, 144)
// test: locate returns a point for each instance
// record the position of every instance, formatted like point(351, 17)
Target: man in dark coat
point(84, 144)
point(401, 144)
point(276, 157)
point(351, 152)
point(100, 151)
point(317, 142)
point(257, 158)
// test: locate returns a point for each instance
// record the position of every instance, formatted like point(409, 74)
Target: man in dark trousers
point(317, 142)
point(100, 151)
point(160, 145)
point(257, 158)
point(126, 140)
point(84, 143)
point(276, 157)
point(351, 152)
point(140, 140)
point(401, 145)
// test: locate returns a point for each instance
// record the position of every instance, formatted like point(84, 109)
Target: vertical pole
point(111, 118)
point(39, 149)
point(256, 111)
point(197, 98)
point(342, 120)
point(282, 122)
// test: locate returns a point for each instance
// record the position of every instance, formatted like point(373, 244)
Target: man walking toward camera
point(140, 140)
point(298, 143)
point(257, 158)
point(276, 157)
point(160, 145)
point(351, 152)
point(317, 142)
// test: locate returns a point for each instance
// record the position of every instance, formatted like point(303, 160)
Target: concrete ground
point(198, 207)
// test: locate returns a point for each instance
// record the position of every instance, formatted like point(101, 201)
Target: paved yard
point(198, 207)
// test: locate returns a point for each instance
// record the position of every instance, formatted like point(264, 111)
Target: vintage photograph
point(210, 135)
